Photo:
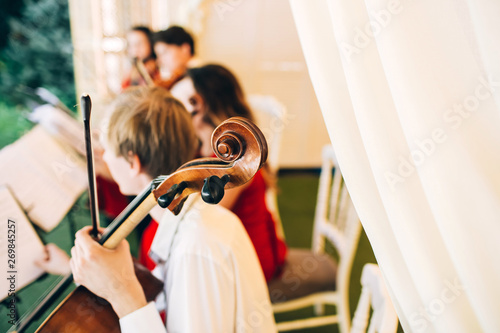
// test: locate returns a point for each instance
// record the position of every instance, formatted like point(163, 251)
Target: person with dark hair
point(212, 94)
point(144, 70)
point(140, 43)
point(175, 50)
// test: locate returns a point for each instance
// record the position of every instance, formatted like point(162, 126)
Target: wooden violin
point(144, 73)
point(169, 83)
point(241, 151)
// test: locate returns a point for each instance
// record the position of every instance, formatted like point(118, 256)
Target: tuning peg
point(212, 191)
point(165, 200)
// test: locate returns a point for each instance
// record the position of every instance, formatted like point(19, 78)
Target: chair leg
point(319, 309)
point(344, 320)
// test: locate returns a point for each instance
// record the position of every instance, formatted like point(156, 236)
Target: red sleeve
point(109, 197)
point(147, 239)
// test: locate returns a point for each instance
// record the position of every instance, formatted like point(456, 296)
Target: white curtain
point(410, 93)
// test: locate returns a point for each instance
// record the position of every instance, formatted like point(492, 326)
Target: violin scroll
point(231, 138)
point(241, 150)
point(228, 147)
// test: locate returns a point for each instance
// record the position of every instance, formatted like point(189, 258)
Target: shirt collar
point(167, 228)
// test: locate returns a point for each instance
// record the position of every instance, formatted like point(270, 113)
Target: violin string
point(40, 299)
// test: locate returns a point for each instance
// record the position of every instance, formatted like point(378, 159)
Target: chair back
point(374, 294)
point(270, 116)
point(336, 220)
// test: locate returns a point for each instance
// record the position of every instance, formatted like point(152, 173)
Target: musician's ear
point(186, 50)
point(135, 164)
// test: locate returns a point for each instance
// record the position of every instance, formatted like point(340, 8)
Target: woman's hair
point(151, 124)
point(221, 93)
point(149, 34)
point(223, 98)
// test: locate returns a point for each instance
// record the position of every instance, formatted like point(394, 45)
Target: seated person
point(212, 94)
point(143, 72)
point(175, 50)
point(211, 274)
point(140, 49)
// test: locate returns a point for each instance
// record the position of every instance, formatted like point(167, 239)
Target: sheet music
point(46, 176)
point(63, 126)
point(27, 245)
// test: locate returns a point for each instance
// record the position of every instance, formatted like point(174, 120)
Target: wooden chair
point(324, 281)
point(384, 318)
point(271, 118)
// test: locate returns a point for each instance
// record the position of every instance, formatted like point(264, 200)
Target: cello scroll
point(241, 150)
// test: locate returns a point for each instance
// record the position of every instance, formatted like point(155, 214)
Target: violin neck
point(141, 68)
point(131, 216)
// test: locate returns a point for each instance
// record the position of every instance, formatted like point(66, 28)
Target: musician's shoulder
point(210, 229)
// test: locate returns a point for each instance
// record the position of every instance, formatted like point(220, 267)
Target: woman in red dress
point(144, 70)
point(212, 94)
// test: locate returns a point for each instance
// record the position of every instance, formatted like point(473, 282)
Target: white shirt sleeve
point(201, 295)
point(145, 319)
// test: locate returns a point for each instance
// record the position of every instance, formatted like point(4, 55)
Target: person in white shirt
point(212, 278)
point(214, 283)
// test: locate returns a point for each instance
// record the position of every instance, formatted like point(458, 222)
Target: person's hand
point(54, 260)
point(107, 273)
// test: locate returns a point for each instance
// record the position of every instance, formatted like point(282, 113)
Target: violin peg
point(165, 200)
point(212, 191)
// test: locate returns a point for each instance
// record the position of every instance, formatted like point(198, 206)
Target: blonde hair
point(151, 124)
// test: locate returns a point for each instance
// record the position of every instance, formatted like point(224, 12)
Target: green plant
point(13, 123)
point(38, 52)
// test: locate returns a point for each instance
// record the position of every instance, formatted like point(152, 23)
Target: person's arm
point(54, 260)
point(145, 319)
point(110, 275)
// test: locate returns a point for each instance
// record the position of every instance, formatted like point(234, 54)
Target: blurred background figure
point(144, 70)
point(175, 50)
point(212, 94)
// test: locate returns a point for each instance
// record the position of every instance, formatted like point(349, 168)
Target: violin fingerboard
point(131, 222)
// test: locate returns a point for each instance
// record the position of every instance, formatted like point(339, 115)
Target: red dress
point(252, 210)
point(146, 241)
point(109, 197)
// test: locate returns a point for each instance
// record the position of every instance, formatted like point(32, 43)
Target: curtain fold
point(409, 92)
